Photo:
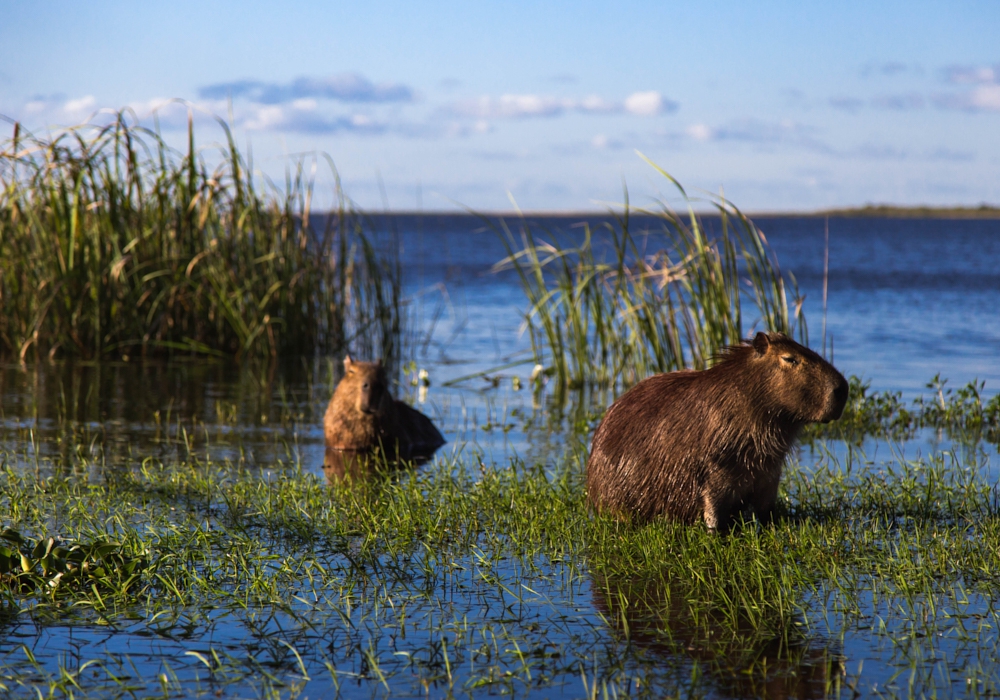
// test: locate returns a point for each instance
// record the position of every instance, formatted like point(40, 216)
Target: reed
point(622, 305)
point(114, 244)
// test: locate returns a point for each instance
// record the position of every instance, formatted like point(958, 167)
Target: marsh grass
point(475, 579)
point(114, 245)
point(622, 305)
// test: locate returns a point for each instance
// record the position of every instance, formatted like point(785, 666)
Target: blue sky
point(782, 105)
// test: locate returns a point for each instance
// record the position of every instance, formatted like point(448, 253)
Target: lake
point(907, 299)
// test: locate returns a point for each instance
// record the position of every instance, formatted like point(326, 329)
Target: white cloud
point(603, 142)
point(973, 74)
point(511, 107)
point(524, 106)
point(596, 104)
point(646, 104)
point(266, 117)
point(985, 97)
point(81, 104)
point(699, 132)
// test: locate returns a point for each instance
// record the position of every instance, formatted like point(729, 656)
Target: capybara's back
point(364, 423)
point(708, 444)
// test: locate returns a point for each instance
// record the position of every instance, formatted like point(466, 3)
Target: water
point(907, 299)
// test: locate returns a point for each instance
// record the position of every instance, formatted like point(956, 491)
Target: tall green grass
point(622, 305)
point(114, 244)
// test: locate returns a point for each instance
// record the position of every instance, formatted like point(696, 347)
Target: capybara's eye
point(790, 359)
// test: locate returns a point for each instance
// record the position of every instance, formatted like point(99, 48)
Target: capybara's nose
point(840, 393)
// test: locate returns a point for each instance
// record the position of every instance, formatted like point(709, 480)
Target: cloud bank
point(984, 95)
point(526, 106)
point(343, 87)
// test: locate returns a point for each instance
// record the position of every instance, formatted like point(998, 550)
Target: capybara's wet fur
point(710, 444)
point(364, 424)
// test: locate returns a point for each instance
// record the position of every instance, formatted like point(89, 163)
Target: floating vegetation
point(115, 245)
point(50, 566)
point(623, 305)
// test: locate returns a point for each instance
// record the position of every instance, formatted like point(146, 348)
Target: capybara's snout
point(839, 400)
point(370, 397)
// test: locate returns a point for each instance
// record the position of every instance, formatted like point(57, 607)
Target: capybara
point(363, 421)
point(710, 444)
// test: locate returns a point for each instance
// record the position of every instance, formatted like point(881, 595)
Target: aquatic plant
point(484, 579)
point(114, 244)
point(51, 567)
point(622, 305)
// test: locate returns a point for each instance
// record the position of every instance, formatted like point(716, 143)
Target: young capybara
point(363, 420)
point(710, 444)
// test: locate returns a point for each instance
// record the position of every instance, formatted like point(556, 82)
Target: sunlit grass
point(114, 245)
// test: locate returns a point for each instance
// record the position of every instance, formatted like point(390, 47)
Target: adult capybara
point(363, 421)
point(710, 444)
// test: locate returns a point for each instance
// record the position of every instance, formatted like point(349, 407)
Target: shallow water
point(907, 299)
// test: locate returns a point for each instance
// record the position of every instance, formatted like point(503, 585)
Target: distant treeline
point(983, 211)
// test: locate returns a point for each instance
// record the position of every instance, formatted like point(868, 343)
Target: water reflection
point(358, 465)
point(767, 657)
point(113, 413)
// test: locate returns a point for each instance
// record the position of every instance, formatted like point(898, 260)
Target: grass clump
point(113, 244)
point(623, 305)
point(50, 566)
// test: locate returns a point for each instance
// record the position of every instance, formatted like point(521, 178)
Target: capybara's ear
point(378, 363)
point(761, 343)
point(347, 361)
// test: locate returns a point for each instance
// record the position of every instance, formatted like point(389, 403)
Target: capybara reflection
point(365, 426)
point(710, 444)
point(739, 656)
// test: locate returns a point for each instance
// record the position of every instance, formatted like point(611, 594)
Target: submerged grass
point(469, 579)
point(113, 244)
point(623, 305)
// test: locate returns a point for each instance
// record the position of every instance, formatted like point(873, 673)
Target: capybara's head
point(366, 381)
point(800, 382)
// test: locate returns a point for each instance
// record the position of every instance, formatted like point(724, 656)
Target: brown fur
point(363, 421)
point(695, 445)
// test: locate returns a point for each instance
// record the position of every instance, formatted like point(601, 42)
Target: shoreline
point(865, 212)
